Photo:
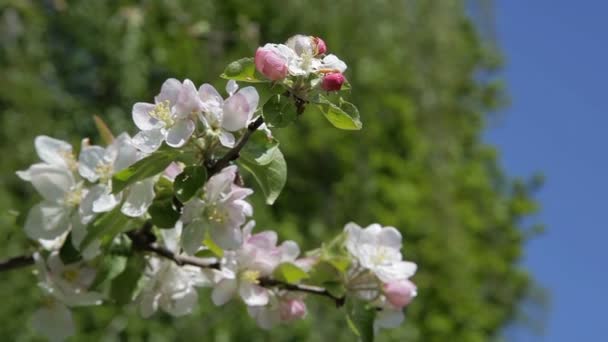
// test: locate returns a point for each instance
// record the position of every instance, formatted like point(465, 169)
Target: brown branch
point(267, 282)
point(233, 153)
point(16, 262)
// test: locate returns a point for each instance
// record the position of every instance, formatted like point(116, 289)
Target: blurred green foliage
point(423, 80)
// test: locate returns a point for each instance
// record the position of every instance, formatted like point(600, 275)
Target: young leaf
point(360, 319)
point(242, 70)
point(279, 111)
point(289, 273)
point(150, 166)
point(271, 176)
point(104, 131)
point(124, 285)
point(343, 116)
point(106, 226)
point(189, 181)
point(260, 148)
point(163, 213)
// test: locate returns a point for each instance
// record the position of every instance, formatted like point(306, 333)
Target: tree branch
point(16, 262)
point(267, 282)
point(233, 154)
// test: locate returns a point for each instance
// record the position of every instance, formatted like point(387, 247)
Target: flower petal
point(227, 139)
point(54, 322)
point(52, 151)
point(141, 116)
point(169, 91)
point(52, 182)
point(239, 108)
point(188, 101)
point(181, 303)
point(179, 134)
point(88, 161)
point(253, 295)
point(193, 236)
point(223, 291)
point(226, 237)
point(139, 199)
point(46, 221)
point(148, 141)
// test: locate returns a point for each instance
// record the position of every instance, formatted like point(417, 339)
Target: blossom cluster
point(171, 213)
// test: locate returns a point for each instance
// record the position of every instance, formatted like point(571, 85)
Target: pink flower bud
point(333, 81)
point(270, 64)
point(292, 309)
point(321, 48)
point(399, 293)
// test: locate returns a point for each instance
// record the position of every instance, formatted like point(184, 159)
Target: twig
point(267, 282)
point(16, 262)
point(234, 152)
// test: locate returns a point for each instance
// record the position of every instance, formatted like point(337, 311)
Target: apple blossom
point(321, 47)
point(223, 117)
point(377, 249)
point(171, 118)
point(282, 307)
point(242, 269)
point(222, 211)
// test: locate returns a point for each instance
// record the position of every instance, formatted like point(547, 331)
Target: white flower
point(65, 286)
point(52, 152)
point(169, 286)
point(222, 211)
point(171, 118)
point(98, 164)
point(242, 269)
point(61, 197)
point(230, 115)
point(331, 63)
point(378, 249)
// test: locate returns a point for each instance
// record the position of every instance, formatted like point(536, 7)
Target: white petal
point(223, 291)
point(46, 221)
point(289, 250)
point(52, 182)
point(126, 155)
point(188, 101)
point(210, 96)
point(106, 202)
point(231, 87)
point(86, 205)
point(54, 322)
point(239, 108)
point(179, 134)
point(148, 141)
point(397, 271)
point(180, 304)
point(53, 244)
point(52, 151)
point(226, 237)
point(334, 63)
point(141, 195)
point(388, 319)
point(390, 237)
point(193, 236)
point(169, 91)
point(226, 139)
point(253, 295)
point(90, 157)
point(220, 183)
point(142, 118)
point(148, 303)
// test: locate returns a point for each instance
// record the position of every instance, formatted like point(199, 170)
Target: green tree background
point(424, 80)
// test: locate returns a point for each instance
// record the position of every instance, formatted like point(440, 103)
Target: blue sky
point(556, 54)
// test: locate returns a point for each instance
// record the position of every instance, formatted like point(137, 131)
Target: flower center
point(215, 214)
point(70, 275)
point(104, 170)
point(251, 276)
point(69, 159)
point(380, 256)
point(162, 112)
point(74, 196)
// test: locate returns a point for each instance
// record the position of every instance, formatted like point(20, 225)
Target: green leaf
point(163, 213)
point(343, 116)
point(260, 148)
point(150, 166)
point(68, 253)
point(124, 285)
point(108, 268)
point(279, 111)
point(243, 70)
point(268, 90)
point(106, 226)
point(103, 130)
point(189, 182)
point(270, 176)
point(289, 273)
point(360, 319)
point(213, 247)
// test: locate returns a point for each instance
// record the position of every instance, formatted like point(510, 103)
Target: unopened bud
point(320, 46)
point(292, 309)
point(333, 82)
point(399, 293)
point(270, 64)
